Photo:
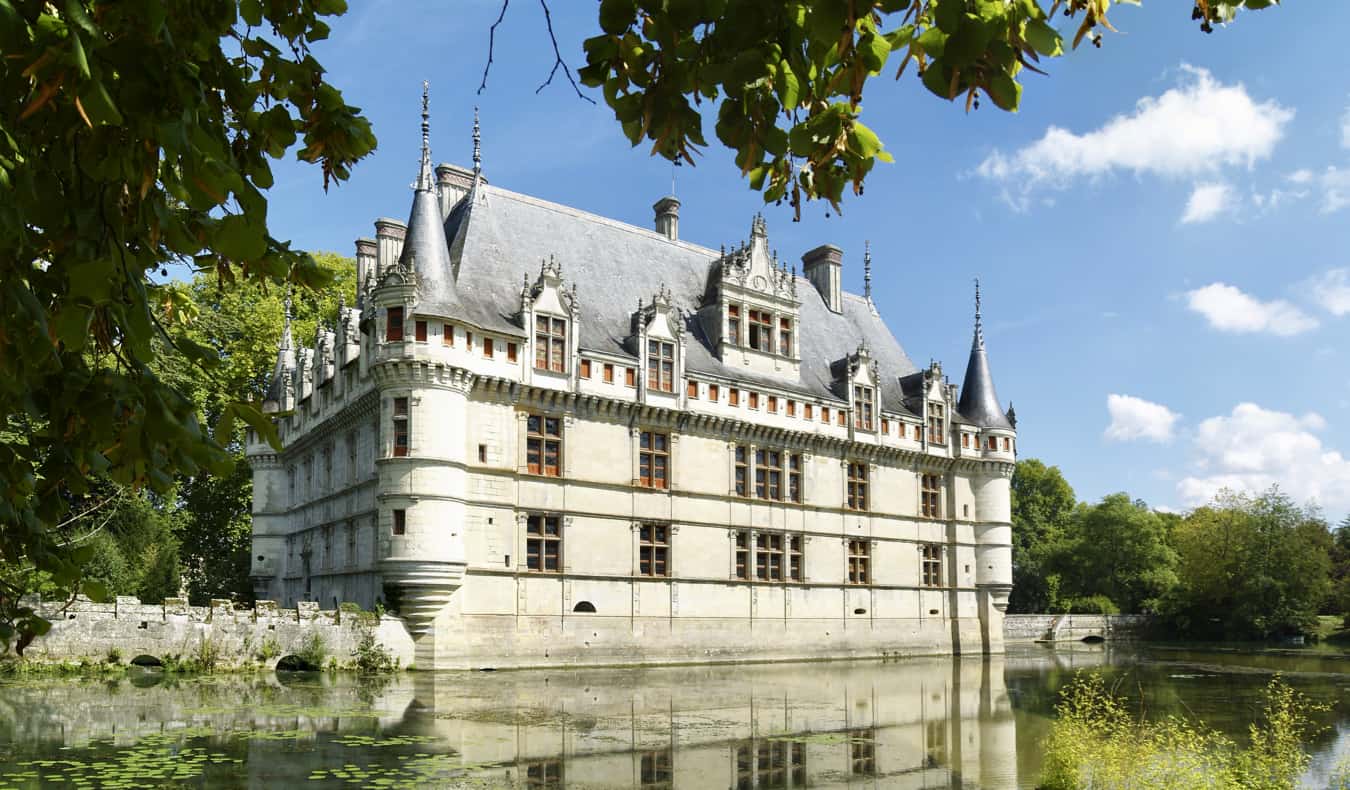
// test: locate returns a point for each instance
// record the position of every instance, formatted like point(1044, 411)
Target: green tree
point(1249, 568)
point(1116, 548)
point(789, 75)
point(242, 325)
point(134, 134)
point(1042, 504)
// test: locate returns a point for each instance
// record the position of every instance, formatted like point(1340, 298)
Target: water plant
point(1096, 743)
point(313, 650)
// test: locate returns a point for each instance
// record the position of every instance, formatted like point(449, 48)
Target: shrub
point(313, 650)
point(1090, 604)
point(1096, 743)
point(370, 657)
point(269, 649)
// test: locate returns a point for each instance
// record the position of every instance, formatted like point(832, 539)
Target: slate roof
point(979, 402)
point(497, 237)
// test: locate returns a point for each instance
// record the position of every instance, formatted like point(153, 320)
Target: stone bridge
point(128, 631)
point(1073, 627)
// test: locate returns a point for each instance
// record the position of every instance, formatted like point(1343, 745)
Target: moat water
point(922, 723)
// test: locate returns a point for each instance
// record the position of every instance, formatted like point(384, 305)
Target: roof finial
point(979, 325)
point(286, 330)
point(867, 269)
point(477, 146)
point(425, 181)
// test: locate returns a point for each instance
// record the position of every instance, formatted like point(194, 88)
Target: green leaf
point(617, 15)
point(98, 105)
point(1005, 91)
point(788, 87)
point(864, 141)
point(95, 591)
point(948, 14)
point(1043, 38)
point(240, 239)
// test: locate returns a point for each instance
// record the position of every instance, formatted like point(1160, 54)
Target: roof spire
point(867, 269)
point(979, 401)
point(426, 182)
point(477, 147)
point(286, 331)
point(979, 324)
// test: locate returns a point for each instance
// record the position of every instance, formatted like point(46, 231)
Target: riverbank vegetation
point(1244, 566)
point(1096, 742)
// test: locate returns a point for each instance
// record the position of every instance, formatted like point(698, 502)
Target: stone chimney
point(668, 217)
point(823, 267)
point(452, 184)
point(365, 266)
point(389, 235)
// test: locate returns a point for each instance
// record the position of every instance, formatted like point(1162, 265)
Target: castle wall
point(88, 631)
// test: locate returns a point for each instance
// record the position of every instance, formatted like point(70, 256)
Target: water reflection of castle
point(919, 724)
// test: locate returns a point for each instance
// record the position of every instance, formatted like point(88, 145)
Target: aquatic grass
point(1097, 744)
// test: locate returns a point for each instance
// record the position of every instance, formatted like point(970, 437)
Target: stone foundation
point(88, 631)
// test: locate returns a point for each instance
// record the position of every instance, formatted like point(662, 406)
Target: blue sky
point(1165, 273)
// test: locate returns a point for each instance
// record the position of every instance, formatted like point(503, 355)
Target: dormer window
point(393, 324)
point(761, 330)
point(937, 425)
point(785, 336)
point(550, 344)
point(862, 408)
point(661, 366)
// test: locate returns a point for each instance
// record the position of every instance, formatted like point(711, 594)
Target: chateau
point(544, 437)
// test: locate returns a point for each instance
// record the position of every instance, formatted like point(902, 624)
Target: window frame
point(448, 335)
point(654, 550)
point(741, 470)
point(550, 343)
point(399, 523)
point(759, 330)
point(930, 564)
point(769, 474)
point(863, 418)
point(393, 324)
point(858, 476)
point(401, 417)
point(734, 324)
point(652, 458)
point(770, 556)
point(859, 552)
point(420, 330)
point(538, 541)
point(660, 365)
point(930, 495)
point(937, 423)
point(784, 336)
point(541, 443)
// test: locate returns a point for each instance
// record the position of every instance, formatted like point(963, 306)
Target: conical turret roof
point(424, 247)
point(979, 401)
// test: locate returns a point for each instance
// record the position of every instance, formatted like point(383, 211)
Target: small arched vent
point(584, 606)
point(860, 610)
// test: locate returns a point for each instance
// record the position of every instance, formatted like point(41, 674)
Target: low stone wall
point(1072, 627)
point(129, 629)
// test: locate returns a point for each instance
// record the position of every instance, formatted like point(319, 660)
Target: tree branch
point(557, 58)
point(558, 61)
point(492, 40)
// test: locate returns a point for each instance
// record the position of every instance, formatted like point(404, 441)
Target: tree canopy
point(133, 135)
point(1042, 504)
point(788, 76)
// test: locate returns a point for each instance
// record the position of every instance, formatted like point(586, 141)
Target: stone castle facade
point(545, 437)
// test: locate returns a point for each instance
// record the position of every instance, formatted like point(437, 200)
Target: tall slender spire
point(426, 180)
point(286, 342)
point(979, 401)
point(477, 147)
point(979, 324)
point(867, 269)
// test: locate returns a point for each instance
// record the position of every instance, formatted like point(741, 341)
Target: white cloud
point(1228, 309)
point(1198, 127)
point(1135, 418)
point(1332, 291)
point(1335, 184)
point(1302, 176)
point(1207, 201)
point(1254, 448)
